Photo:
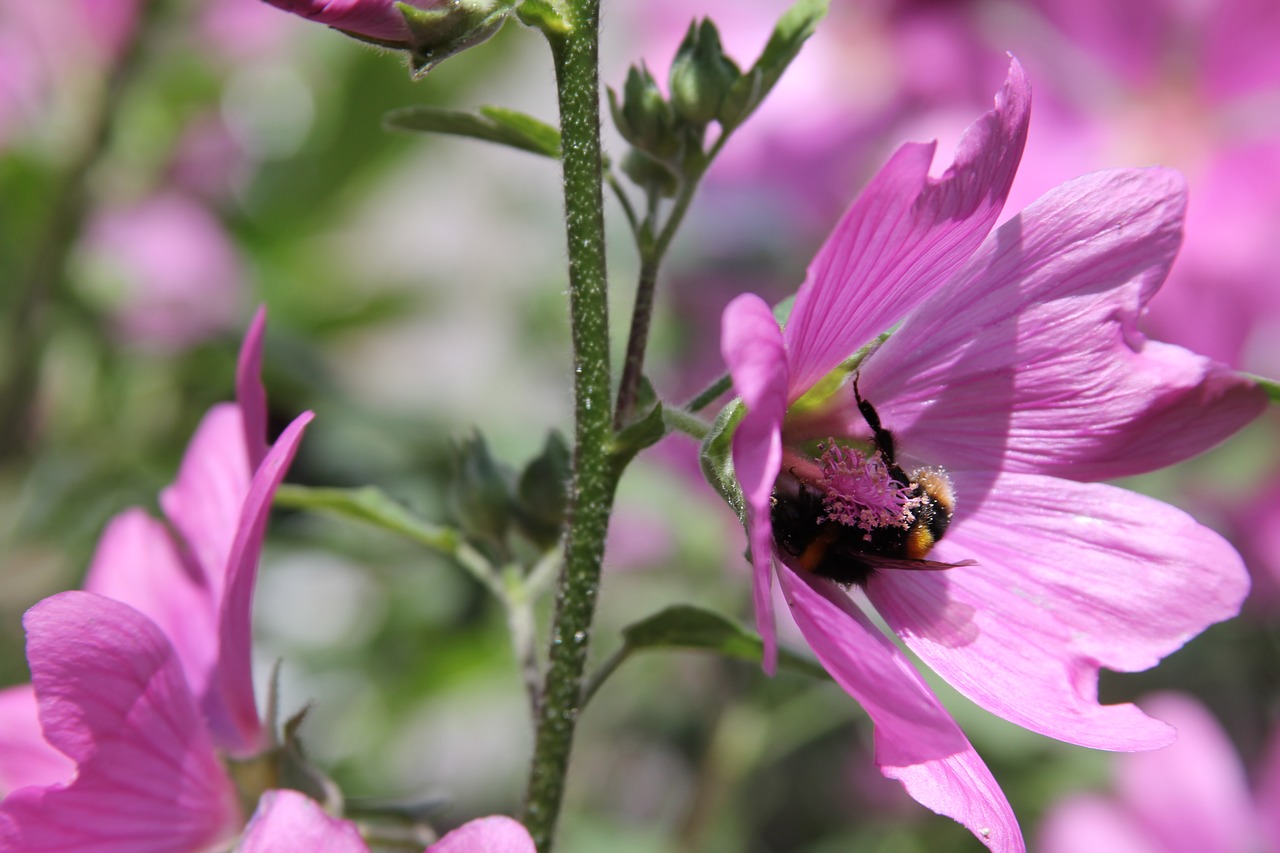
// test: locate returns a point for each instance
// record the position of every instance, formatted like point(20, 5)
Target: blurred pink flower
point(143, 680)
point(1190, 797)
point(1019, 370)
point(289, 820)
point(46, 46)
point(169, 274)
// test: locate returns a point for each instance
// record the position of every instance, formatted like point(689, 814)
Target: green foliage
point(749, 90)
point(371, 506)
point(492, 124)
point(688, 627)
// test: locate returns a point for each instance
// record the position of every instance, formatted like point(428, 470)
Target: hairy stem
point(576, 56)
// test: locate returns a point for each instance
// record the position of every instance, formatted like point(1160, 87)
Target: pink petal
point(26, 758)
point(289, 820)
point(904, 236)
point(1193, 795)
point(250, 393)
point(1091, 824)
point(497, 834)
point(373, 18)
point(205, 501)
point(916, 740)
point(1069, 578)
point(1031, 359)
point(138, 564)
point(113, 697)
point(230, 706)
point(752, 347)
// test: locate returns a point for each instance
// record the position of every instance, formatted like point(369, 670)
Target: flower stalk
point(575, 52)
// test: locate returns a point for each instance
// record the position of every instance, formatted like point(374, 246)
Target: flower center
point(861, 491)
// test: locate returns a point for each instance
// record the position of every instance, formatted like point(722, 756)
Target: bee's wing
point(876, 561)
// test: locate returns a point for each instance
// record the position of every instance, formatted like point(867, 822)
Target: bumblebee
point(810, 540)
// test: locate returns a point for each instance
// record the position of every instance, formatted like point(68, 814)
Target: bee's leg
point(882, 437)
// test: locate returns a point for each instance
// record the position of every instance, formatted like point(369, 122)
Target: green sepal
point(543, 15)
point(716, 457)
point(749, 90)
point(1271, 386)
point(686, 627)
point(373, 506)
point(542, 492)
point(492, 124)
point(439, 33)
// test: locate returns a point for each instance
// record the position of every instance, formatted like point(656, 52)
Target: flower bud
point(644, 118)
point(649, 172)
point(543, 491)
point(701, 75)
point(480, 494)
point(431, 30)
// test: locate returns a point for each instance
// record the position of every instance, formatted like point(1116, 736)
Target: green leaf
point(686, 627)
point(1271, 386)
point(372, 506)
point(792, 31)
point(492, 124)
point(716, 457)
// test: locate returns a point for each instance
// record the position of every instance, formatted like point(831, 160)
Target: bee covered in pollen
point(858, 513)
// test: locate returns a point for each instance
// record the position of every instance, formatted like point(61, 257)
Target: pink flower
point(145, 680)
point(176, 274)
point(1017, 376)
point(1191, 797)
point(288, 820)
point(143, 683)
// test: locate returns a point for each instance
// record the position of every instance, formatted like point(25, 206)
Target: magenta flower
point(289, 820)
point(145, 681)
point(169, 273)
point(1017, 376)
point(1191, 797)
point(377, 19)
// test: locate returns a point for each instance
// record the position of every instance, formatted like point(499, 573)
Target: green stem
point(576, 56)
point(651, 256)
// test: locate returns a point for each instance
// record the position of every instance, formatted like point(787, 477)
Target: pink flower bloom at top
point(947, 474)
point(1191, 797)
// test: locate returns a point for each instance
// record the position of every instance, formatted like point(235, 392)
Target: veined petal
point(1068, 578)
point(290, 820)
point(26, 758)
point(916, 740)
point(904, 237)
point(113, 698)
point(229, 705)
point(1192, 795)
point(205, 501)
point(497, 834)
point(1031, 360)
point(251, 396)
point(137, 563)
point(751, 344)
